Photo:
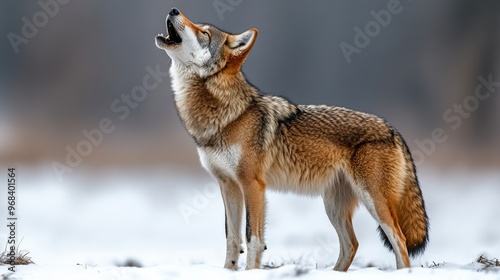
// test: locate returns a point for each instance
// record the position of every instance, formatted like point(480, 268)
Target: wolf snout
point(174, 12)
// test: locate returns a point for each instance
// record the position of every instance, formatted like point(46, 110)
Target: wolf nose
point(174, 12)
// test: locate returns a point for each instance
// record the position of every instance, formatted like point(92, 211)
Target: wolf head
point(201, 49)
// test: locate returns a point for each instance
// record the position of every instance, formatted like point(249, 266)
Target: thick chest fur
point(221, 161)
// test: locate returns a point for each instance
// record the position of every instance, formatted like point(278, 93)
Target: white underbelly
point(295, 183)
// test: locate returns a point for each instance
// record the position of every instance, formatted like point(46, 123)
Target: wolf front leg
point(232, 196)
point(254, 191)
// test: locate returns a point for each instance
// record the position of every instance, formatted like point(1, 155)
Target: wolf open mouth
point(173, 37)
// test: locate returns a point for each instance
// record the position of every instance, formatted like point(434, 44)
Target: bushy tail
point(412, 216)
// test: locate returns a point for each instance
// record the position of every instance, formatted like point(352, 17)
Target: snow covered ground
point(172, 223)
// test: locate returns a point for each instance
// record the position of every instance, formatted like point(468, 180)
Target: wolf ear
point(241, 44)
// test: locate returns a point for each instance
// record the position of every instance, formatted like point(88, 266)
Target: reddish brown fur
point(250, 141)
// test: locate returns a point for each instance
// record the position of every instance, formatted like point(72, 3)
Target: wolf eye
point(205, 33)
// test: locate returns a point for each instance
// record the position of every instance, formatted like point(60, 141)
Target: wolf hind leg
point(386, 216)
point(340, 203)
point(379, 186)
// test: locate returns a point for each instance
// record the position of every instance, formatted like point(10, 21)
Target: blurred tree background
point(88, 53)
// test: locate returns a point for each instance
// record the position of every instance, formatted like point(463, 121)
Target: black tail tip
point(414, 250)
